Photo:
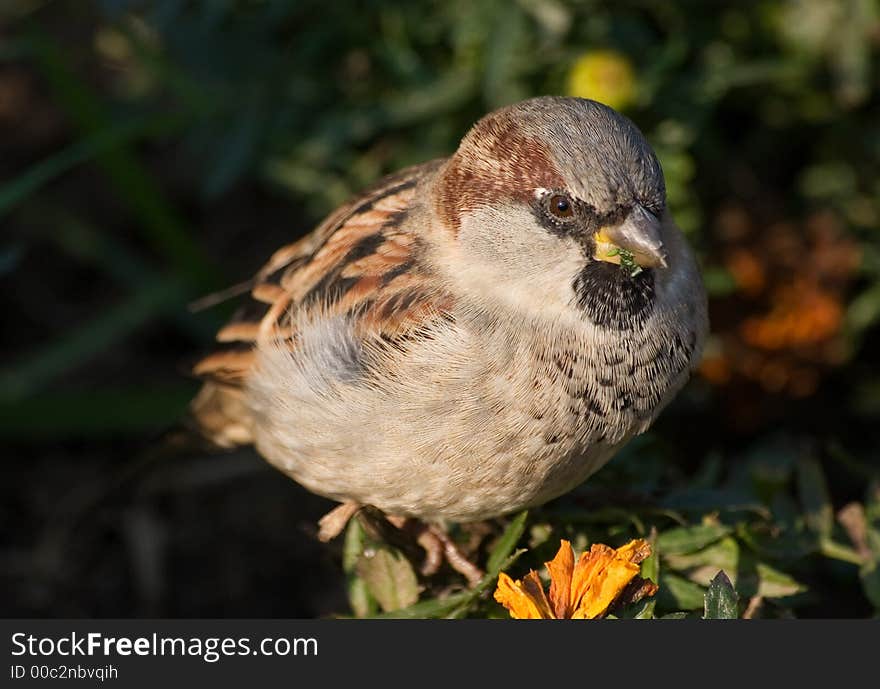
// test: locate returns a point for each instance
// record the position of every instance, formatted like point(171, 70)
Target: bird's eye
point(561, 206)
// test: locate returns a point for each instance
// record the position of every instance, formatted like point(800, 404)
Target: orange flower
point(583, 591)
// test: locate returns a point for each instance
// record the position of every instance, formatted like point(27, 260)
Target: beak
point(639, 234)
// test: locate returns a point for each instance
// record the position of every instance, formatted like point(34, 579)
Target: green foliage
point(721, 600)
point(467, 602)
point(742, 546)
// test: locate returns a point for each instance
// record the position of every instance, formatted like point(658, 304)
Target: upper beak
point(638, 234)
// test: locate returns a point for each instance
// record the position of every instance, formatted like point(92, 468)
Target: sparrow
point(474, 335)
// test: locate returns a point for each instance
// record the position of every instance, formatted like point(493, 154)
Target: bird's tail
point(218, 414)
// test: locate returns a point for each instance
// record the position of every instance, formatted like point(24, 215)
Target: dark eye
point(561, 206)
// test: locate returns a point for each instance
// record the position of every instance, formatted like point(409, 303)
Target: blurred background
point(152, 152)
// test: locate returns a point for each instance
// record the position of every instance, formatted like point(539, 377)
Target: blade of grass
point(88, 340)
point(87, 148)
point(505, 545)
point(94, 412)
point(161, 225)
point(439, 607)
point(86, 243)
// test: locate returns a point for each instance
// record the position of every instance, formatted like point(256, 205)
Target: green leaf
point(721, 599)
point(836, 551)
point(643, 610)
point(438, 607)
point(456, 605)
point(869, 572)
point(870, 576)
point(701, 566)
point(650, 569)
point(775, 584)
point(689, 539)
point(389, 578)
point(769, 541)
point(813, 492)
point(359, 598)
point(506, 543)
point(704, 500)
point(353, 545)
point(678, 593)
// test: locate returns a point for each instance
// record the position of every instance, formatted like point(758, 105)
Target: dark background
point(153, 152)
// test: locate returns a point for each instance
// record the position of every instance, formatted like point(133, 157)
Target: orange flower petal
point(578, 591)
point(531, 584)
point(588, 566)
point(637, 551)
point(602, 573)
point(524, 599)
point(605, 589)
point(561, 568)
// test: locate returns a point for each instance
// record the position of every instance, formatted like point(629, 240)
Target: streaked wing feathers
point(359, 259)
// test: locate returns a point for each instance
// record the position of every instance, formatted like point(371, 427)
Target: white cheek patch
point(507, 255)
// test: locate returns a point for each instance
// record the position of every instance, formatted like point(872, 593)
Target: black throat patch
point(612, 298)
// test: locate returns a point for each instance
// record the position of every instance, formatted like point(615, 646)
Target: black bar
point(613, 653)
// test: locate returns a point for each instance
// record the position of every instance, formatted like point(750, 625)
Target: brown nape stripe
point(497, 160)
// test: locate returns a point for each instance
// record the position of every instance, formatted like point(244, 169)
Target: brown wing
point(360, 258)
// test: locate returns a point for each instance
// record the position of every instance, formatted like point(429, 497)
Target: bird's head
point(560, 203)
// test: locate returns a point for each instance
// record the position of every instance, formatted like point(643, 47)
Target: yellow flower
point(582, 591)
point(603, 75)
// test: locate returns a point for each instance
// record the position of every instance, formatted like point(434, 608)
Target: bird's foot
point(332, 523)
point(401, 532)
point(456, 559)
point(438, 546)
